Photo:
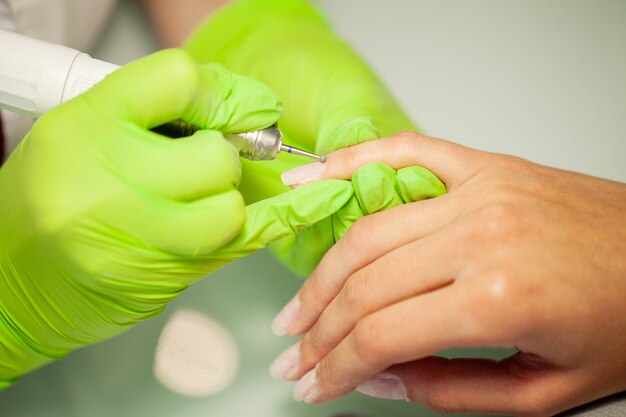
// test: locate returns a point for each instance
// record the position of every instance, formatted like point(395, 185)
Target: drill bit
point(301, 152)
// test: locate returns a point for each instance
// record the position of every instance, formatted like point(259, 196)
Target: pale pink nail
point(287, 317)
point(302, 174)
point(287, 363)
point(306, 388)
point(384, 385)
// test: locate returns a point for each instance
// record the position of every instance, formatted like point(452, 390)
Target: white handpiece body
point(36, 76)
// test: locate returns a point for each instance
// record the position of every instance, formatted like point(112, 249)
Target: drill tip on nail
point(301, 152)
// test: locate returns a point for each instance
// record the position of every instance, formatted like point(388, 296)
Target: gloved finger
point(378, 187)
point(285, 215)
point(232, 103)
point(339, 134)
point(356, 107)
point(417, 183)
point(477, 386)
point(186, 169)
point(182, 228)
point(345, 218)
point(169, 85)
point(375, 188)
point(260, 181)
point(302, 252)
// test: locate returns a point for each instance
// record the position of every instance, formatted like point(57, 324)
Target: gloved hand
point(377, 187)
point(332, 100)
point(103, 222)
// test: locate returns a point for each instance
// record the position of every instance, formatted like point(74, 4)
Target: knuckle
point(442, 404)
point(499, 222)
point(351, 157)
point(368, 343)
point(410, 141)
point(355, 293)
point(326, 371)
point(406, 143)
point(502, 313)
point(500, 289)
point(501, 285)
point(532, 398)
point(407, 138)
point(357, 236)
point(498, 298)
point(313, 345)
point(310, 294)
point(509, 162)
point(531, 403)
point(442, 400)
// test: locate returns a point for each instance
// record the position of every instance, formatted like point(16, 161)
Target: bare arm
point(174, 21)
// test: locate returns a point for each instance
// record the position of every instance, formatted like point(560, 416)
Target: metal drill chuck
point(259, 145)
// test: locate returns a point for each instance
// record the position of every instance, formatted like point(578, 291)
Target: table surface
point(542, 80)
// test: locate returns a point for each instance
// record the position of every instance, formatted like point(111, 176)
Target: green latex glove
point(332, 100)
point(377, 187)
point(103, 222)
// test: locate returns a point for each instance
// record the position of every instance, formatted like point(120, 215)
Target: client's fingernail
point(302, 174)
point(287, 317)
point(306, 388)
point(385, 386)
point(286, 365)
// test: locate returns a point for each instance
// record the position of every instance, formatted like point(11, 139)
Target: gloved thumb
point(286, 214)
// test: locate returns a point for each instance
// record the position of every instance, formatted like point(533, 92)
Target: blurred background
point(544, 80)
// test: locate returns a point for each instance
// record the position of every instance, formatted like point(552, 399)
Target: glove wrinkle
point(377, 187)
point(105, 222)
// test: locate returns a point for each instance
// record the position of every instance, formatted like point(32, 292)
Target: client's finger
point(453, 163)
point(516, 385)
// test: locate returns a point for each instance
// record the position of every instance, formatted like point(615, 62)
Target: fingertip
point(288, 213)
point(222, 219)
point(224, 156)
point(307, 388)
point(287, 318)
point(384, 385)
point(287, 364)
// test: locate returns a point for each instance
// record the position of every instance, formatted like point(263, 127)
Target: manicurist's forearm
point(173, 21)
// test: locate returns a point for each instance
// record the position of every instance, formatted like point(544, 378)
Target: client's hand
point(515, 255)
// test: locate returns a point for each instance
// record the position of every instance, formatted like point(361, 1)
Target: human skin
point(516, 255)
point(173, 21)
